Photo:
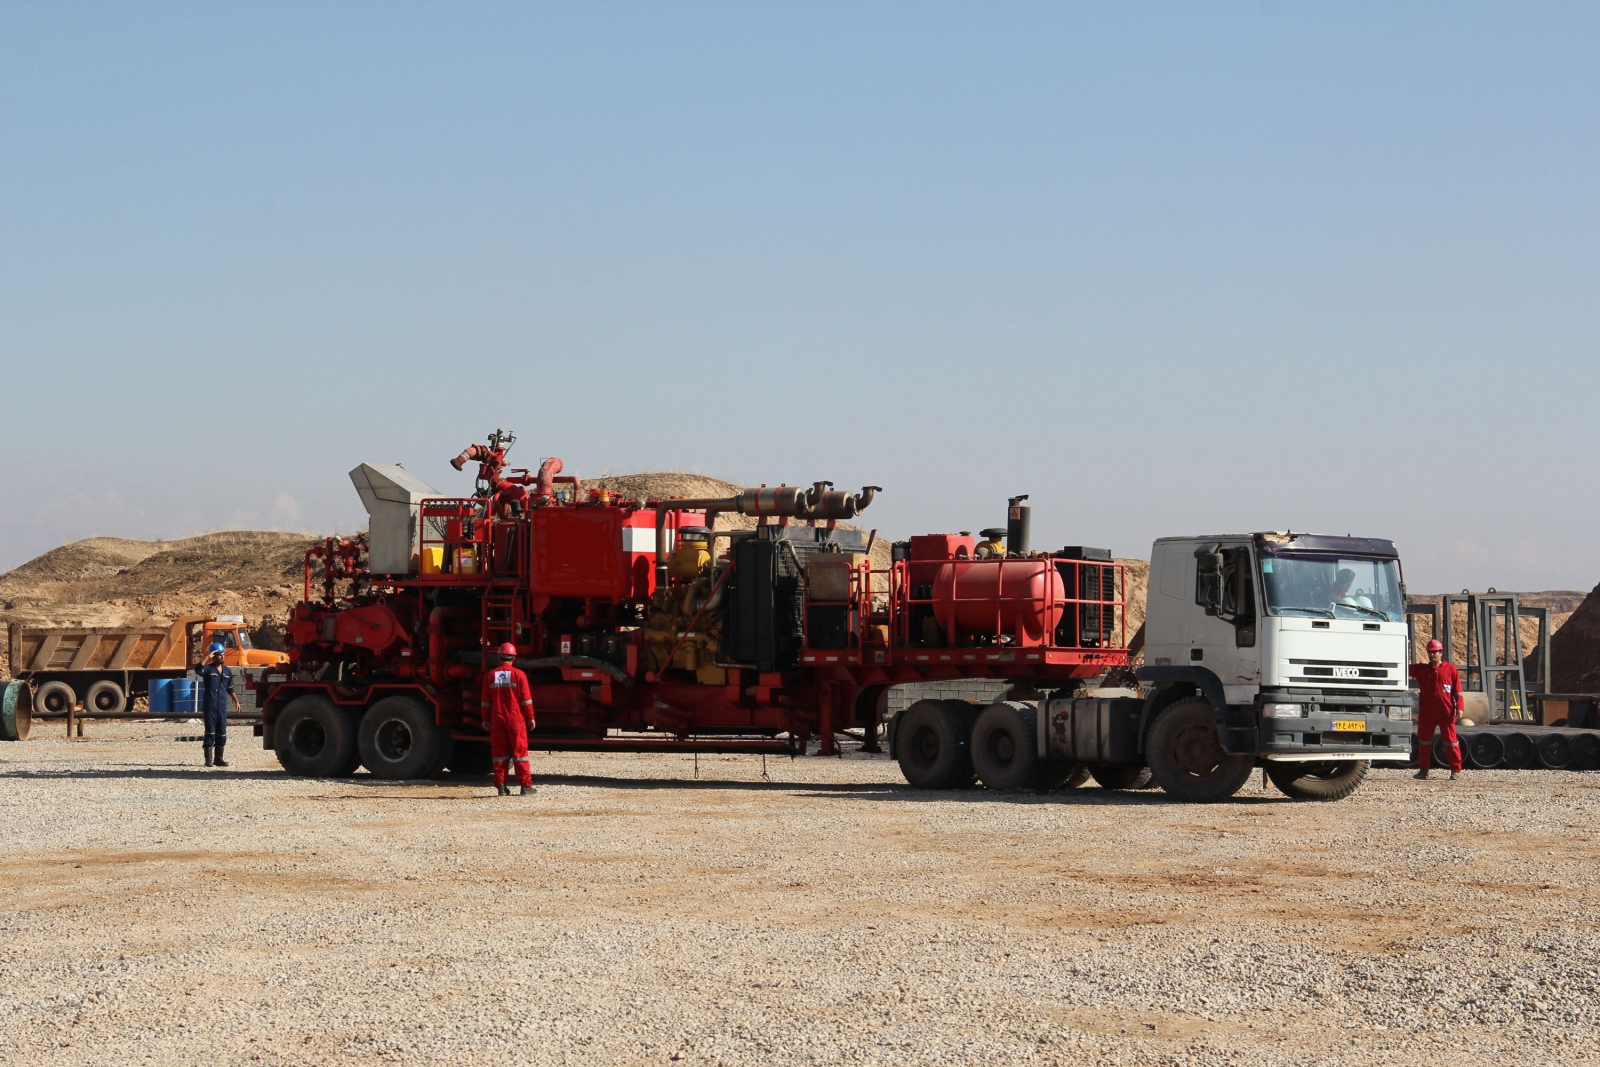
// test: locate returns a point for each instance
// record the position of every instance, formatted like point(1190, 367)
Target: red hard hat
point(507, 649)
point(1435, 646)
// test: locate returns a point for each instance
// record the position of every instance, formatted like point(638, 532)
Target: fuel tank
point(1023, 598)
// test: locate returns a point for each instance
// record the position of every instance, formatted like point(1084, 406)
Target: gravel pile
point(632, 913)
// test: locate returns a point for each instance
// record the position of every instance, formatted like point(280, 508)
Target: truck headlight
point(1282, 711)
point(1400, 714)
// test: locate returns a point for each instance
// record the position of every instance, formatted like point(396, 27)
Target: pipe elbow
point(545, 487)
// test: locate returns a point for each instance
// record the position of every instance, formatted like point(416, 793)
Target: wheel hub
point(308, 738)
point(1196, 752)
point(393, 740)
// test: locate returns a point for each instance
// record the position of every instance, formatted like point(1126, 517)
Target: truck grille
point(1344, 672)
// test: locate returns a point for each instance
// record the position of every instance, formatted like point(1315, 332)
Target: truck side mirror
point(1208, 581)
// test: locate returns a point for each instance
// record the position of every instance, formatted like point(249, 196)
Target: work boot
point(503, 789)
point(1454, 775)
point(528, 790)
point(208, 755)
point(220, 761)
point(1421, 774)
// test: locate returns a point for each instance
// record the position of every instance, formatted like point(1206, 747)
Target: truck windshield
point(1332, 586)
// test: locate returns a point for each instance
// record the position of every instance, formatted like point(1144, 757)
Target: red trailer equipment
point(642, 628)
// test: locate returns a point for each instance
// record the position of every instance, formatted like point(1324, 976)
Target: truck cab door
point(1225, 592)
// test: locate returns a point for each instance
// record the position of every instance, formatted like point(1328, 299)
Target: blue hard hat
point(216, 646)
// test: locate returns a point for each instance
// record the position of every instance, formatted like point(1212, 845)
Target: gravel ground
point(632, 913)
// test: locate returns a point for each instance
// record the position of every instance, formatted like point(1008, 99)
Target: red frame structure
point(609, 698)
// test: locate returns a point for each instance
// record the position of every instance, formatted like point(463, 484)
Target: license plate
point(1357, 726)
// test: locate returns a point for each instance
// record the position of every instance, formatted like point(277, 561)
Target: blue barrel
point(182, 694)
point(160, 696)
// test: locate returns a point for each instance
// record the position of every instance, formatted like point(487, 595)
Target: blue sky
point(1168, 268)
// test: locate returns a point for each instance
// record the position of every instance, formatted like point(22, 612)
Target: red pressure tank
point(988, 597)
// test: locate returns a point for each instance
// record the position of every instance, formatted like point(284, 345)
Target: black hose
point(529, 663)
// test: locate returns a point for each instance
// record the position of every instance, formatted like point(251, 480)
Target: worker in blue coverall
point(213, 689)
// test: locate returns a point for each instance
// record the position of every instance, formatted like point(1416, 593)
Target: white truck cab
point(1297, 642)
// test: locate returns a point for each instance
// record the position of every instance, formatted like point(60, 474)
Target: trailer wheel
point(399, 739)
point(315, 739)
point(934, 745)
point(1005, 745)
point(55, 698)
point(105, 697)
point(1186, 755)
point(1121, 777)
point(1333, 780)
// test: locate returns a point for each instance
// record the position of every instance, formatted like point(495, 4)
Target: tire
point(1121, 777)
point(470, 759)
point(1186, 754)
point(1063, 775)
point(315, 739)
point(105, 697)
point(1005, 746)
point(54, 698)
point(933, 744)
point(399, 740)
point(1333, 780)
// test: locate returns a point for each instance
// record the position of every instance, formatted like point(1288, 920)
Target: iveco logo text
point(1346, 672)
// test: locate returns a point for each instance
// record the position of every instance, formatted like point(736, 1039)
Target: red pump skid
point(551, 573)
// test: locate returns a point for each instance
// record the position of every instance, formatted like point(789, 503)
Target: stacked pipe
point(1526, 749)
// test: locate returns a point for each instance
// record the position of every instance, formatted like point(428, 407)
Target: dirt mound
point(109, 581)
point(1575, 649)
point(86, 560)
point(662, 484)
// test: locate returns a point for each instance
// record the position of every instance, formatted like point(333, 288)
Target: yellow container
point(432, 559)
point(466, 561)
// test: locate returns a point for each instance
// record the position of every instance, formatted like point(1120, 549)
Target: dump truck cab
point(229, 631)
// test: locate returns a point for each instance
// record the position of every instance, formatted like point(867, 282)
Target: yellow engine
point(673, 610)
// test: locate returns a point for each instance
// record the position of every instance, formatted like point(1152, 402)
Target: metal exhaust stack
point(1019, 526)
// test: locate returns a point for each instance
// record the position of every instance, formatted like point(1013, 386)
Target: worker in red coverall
point(1438, 706)
point(508, 716)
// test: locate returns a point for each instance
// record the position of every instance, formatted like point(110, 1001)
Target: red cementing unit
point(767, 641)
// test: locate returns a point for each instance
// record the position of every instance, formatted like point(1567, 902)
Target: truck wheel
point(1186, 754)
point(1063, 775)
point(1333, 780)
point(1121, 777)
point(1005, 746)
point(55, 698)
point(934, 745)
point(105, 697)
point(399, 739)
point(470, 759)
point(315, 739)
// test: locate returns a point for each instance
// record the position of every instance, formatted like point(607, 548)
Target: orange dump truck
point(104, 668)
